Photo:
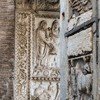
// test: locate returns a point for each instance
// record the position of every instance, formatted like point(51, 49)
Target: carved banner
point(22, 55)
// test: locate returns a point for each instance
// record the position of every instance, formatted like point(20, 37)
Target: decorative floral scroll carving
point(22, 56)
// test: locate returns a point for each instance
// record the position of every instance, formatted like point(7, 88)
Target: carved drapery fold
point(45, 67)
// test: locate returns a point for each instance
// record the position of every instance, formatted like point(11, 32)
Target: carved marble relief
point(79, 6)
point(81, 78)
point(22, 56)
point(22, 4)
point(45, 91)
point(46, 49)
point(46, 72)
point(48, 5)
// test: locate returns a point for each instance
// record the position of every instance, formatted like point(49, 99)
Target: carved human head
point(54, 25)
point(86, 68)
point(43, 24)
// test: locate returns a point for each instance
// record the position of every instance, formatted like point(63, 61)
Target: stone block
point(80, 43)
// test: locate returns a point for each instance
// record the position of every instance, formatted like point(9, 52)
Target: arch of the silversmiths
point(23, 17)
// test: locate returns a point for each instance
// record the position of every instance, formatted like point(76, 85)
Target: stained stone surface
point(79, 52)
point(36, 54)
point(45, 73)
point(80, 43)
point(6, 49)
point(78, 7)
point(22, 57)
point(45, 90)
point(76, 21)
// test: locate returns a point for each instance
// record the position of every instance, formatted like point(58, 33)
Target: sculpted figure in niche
point(84, 82)
point(43, 44)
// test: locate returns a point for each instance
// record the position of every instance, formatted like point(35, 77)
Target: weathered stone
point(6, 49)
point(45, 66)
point(45, 90)
point(37, 37)
point(80, 43)
point(76, 21)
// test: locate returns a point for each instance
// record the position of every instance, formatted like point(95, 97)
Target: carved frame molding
point(22, 55)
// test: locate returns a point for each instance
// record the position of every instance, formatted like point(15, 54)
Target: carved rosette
point(22, 55)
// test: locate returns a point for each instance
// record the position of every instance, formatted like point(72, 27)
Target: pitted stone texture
point(6, 48)
point(45, 90)
point(80, 43)
point(79, 20)
point(45, 67)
